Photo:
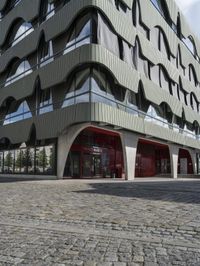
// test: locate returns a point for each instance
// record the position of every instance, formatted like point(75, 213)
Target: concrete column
point(65, 141)
point(194, 161)
point(174, 150)
point(129, 142)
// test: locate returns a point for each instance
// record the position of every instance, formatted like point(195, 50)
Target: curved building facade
point(98, 88)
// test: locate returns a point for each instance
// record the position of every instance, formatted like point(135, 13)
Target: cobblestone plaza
point(100, 222)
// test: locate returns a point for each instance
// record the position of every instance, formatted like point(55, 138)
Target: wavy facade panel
point(126, 66)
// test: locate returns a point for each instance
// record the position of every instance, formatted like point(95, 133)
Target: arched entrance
point(152, 159)
point(95, 153)
point(185, 165)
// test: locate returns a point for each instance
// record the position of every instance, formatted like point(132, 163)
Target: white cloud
point(186, 4)
point(191, 9)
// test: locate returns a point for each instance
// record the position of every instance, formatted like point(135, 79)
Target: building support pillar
point(193, 155)
point(65, 141)
point(129, 143)
point(174, 151)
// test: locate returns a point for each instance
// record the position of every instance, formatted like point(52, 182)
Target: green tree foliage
point(42, 158)
point(8, 161)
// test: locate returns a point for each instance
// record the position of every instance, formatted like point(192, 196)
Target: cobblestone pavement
point(100, 223)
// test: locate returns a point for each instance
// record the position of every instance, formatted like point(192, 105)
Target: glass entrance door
point(86, 165)
point(91, 165)
point(97, 165)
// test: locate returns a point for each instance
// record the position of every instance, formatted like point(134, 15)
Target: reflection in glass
point(45, 101)
point(18, 72)
point(46, 54)
point(31, 160)
point(39, 159)
point(17, 161)
point(81, 34)
point(24, 160)
point(48, 159)
point(22, 112)
point(1, 162)
point(24, 30)
point(8, 161)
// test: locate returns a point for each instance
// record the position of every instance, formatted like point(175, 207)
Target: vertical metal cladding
point(57, 72)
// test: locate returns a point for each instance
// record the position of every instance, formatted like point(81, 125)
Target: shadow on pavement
point(173, 191)
point(22, 179)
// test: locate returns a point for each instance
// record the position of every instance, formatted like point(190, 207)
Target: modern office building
point(98, 88)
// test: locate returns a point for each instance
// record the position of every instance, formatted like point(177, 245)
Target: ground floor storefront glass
point(95, 153)
point(152, 159)
point(185, 165)
point(28, 160)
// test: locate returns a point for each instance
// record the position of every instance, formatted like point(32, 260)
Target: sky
point(191, 9)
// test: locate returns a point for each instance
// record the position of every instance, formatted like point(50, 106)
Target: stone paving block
point(100, 224)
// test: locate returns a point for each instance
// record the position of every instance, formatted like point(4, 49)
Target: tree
point(51, 158)
point(23, 158)
point(18, 160)
point(42, 158)
point(8, 162)
point(29, 158)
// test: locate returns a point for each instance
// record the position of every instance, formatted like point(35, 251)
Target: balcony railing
point(9, 9)
point(171, 25)
point(93, 97)
point(43, 18)
point(47, 60)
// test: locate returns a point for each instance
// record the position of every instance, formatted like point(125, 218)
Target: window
point(132, 103)
point(1, 162)
point(45, 53)
point(163, 45)
point(122, 8)
point(142, 64)
point(137, 21)
point(96, 82)
point(17, 112)
point(45, 104)
point(29, 160)
point(128, 55)
point(78, 88)
point(106, 36)
point(49, 159)
point(158, 5)
point(183, 96)
point(162, 8)
point(45, 159)
point(189, 130)
point(179, 62)
point(189, 44)
point(8, 162)
point(164, 80)
point(12, 4)
point(17, 161)
point(18, 71)
point(193, 76)
point(175, 90)
point(47, 10)
point(156, 116)
point(104, 89)
point(194, 103)
point(24, 30)
point(80, 34)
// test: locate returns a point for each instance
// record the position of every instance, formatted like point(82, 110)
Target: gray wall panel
point(57, 71)
point(27, 10)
